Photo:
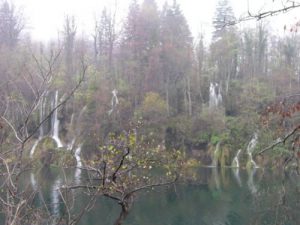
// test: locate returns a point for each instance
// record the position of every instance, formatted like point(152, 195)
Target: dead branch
point(262, 15)
point(280, 140)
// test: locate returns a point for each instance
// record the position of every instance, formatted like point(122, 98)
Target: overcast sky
point(45, 17)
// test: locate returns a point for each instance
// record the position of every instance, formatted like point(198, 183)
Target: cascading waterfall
point(235, 161)
point(216, 155)
point(114, 101)
point(215, 97)
point(54, 123)
point(252, 144)
point(55, 134)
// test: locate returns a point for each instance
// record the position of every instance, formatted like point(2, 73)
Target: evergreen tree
point(176, 59)
point(11, 24)
point(223, 17)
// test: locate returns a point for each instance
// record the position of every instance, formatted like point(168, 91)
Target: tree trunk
point(123, 214)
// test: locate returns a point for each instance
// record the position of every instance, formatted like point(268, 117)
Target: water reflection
point(250, 182)
point(236, 173)
point(206, 196)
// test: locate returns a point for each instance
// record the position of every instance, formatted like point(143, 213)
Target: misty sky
point(44, 18)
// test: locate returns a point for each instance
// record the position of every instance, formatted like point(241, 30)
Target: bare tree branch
point(279, 140)
point(114, 176)
point(261, 15)
point(12, 127)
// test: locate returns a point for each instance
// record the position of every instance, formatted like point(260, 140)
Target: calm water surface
point(214, 197)
point(207, 197)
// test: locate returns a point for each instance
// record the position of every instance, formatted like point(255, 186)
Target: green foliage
point(215, 139)
point(153, 105)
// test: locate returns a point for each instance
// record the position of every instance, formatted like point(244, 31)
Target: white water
point(77, 156)
point(79, 164)
point(55, 134)
point(215, 97)
point(250, 148)
point(71, 145)
point(235, 161)
point(34, 147)
point(55, 195)
point(216, 155)
point(236, 173)
point(33, 182)
point(114, 101)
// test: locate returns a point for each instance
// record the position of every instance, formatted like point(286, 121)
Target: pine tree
point(11, 24)
point(223, 17)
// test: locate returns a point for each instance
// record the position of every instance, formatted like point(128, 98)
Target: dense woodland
point(149, 71)
point(148, 82)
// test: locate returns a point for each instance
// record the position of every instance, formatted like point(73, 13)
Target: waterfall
point(215, 97)
point(55, 123)
point(34, 147)
point(55, 196)
point(77, 156)
point(114, 101)
point(252, 144)
point(235, 161)
point(33, 182)
point(216, 155)
point(71, 145)
point(79, 164)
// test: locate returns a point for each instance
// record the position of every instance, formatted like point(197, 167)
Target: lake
point(206, 196)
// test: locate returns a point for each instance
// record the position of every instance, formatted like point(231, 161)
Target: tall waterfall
point(250, 148)
point(114, 101)
point(215, 97)
point(235, 161)
point(43, 129)
point(55, 122)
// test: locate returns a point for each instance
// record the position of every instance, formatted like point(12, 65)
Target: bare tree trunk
point(167, 96)
point(123, 214)
point(189, 96)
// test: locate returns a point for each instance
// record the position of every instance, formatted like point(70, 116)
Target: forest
point(135, 106)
